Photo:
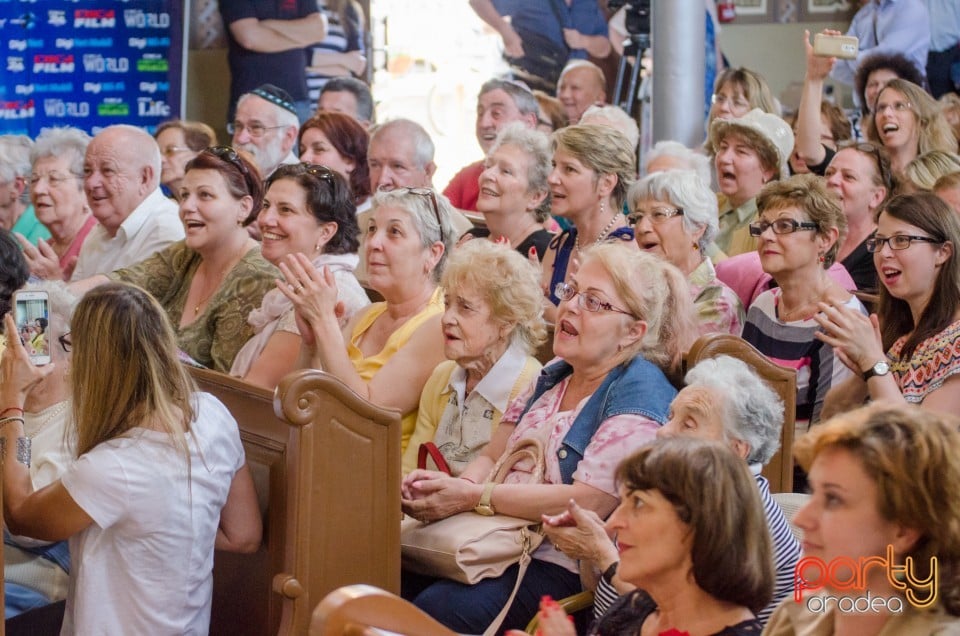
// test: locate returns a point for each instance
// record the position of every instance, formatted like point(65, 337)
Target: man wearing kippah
point(266, 40)
point(266, 126)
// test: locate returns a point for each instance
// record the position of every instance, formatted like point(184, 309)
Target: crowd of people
point(317, 239)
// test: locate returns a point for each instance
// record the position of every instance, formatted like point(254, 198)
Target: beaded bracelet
point(10, 418)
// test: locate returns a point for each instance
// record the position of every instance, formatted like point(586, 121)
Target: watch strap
point(872, 371)
point(610, 572)
point(484, 507)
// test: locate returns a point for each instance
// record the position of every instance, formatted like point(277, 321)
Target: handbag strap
point(429, 448)
point(526, 558)
point(524, 449)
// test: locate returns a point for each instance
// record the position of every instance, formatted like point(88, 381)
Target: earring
point(821, 258)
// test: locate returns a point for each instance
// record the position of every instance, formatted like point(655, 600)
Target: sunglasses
point(430, 194)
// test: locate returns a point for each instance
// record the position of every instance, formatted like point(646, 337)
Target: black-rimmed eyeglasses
point(65, 342)
point(782, 226)
point(897, 241)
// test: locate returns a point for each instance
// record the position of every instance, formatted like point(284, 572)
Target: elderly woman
point(307, 209)
point(386, 353)
point(159, 479)
point(871, 501)
point(593, 166)
point(491, 326)
point(749, 152)
point(908, 122)
point(909, 352)
point(674, 217)
point(624, 320)
point(692, 540)
point(211, 281)
point(180, 141)
point(339, 142)
point(56, 191)
point(513, 191)
point(799, 229)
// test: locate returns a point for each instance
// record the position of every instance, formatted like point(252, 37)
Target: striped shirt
point(341, 38)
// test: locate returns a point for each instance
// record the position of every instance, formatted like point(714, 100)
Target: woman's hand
point(42, 260)
point(438, 497)
point(17, 373)
point(855, 337)
point(579, 533)
point(313, 293)
point(406, 490)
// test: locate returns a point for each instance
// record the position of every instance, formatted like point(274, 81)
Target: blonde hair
point(602, 149)
point(924, 170)
point(935, 131)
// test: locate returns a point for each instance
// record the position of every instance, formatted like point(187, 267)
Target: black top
point(821, 168)
point(539, 239)
point(626, 616)
point(859, 264)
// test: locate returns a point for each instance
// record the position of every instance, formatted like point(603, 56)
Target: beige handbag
point(469, 547)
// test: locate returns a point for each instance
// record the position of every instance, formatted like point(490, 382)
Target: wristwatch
point(880, 368)
point(485, 508)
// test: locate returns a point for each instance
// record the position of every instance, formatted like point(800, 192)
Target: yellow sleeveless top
point(368, 367)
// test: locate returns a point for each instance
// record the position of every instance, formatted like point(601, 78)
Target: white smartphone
point(32, 315)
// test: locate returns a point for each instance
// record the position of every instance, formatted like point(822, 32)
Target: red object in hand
point(726, 10)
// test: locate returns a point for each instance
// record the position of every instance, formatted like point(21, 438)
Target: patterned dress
point(933, 361)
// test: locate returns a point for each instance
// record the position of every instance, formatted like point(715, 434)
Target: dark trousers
point(943, 71)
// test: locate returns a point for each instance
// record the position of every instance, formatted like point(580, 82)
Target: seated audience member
point(673, 155)
point(121, 178)
point(349, 96)
point(674, 217)
point(338, 142)
point(616, 118)
point(882, 487)
point(499, 103)
point(16, 212)
point(873, 73)
point(908, 123)
point(387, 352)
point(159, 480)
point(56, 190)
point(180, 141)
point(551, 115)
point(581, 85)
point(514, 194)
point(798, 233)
point(947, 188)
point(693, 541)
point(492, 324)
point(736, 92)
point(265, 126)
point(909, 352)
point(307, 209)
point(624, 321)
point(922, 173)
point(593, 166)
point(37, 572)
point(749, 152)
point(211, 281)
point(724, 401)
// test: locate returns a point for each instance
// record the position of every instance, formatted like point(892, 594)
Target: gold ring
point(299, 289)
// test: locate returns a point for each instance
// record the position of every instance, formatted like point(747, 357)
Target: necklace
point(603, 233)
point(217, 281)
point(36, 422)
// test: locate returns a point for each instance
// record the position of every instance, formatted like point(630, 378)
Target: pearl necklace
point(603, 233)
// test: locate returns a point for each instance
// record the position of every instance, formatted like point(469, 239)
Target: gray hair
point(14, 157)
point(536, 145)
point(691, 159)
point(614, 117)
point(686, 190)
point(603, 150)
point(59, 142)
point(753, 412)
point(423, 148)
point(521, 94)
point(420, 209)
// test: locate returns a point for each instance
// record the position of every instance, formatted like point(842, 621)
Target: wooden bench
point(326, 465)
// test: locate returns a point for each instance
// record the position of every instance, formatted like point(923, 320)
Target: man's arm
point(485, 10)
point(274, 36)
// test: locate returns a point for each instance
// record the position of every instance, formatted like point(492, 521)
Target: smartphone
point(843, 46)
point(32, 315)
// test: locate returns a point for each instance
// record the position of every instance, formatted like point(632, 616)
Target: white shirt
point(152, 226)
point(145, 565)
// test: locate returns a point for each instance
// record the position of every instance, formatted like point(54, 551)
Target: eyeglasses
point(430, 194)
point(55, 179)
point(733, 102)
point(897, 241)
point(782, 226)
point(255, 130)
point(65, 342)
point(169, 151)
point(898, 107)
point(586, 300)
point(656, 216)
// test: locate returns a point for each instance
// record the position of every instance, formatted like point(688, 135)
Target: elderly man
point(582, 85)
point(16, 214)
point(266, 126)
point(499, 103)
point(122, 182)
point(349, 96)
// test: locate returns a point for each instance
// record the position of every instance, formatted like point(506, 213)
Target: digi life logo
point(53, 63)
point(21, 109)
point(94, 18)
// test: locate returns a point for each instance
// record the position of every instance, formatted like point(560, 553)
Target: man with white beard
point(266, 125)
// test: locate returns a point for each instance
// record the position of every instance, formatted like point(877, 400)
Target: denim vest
point(637, 387)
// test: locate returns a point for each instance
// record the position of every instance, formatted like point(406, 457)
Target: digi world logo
point(845, 574)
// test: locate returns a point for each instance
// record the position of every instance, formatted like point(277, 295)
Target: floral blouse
point(933, 361)
point(719, 309)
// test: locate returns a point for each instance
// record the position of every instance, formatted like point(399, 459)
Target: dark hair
point(359, 90)
point(14, 270)
point(931, 214)
point(896, 62)
point(196, 134)
point(351, 140)
point(328, 199)
point(238, 170)
point(713, 493)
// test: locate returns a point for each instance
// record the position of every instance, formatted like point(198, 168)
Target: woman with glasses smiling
point(798, 232)
point(909, 351)
point(180, 141)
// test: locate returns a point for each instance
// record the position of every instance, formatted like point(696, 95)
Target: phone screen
point(33, 324)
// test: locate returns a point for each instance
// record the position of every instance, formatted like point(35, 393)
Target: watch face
point(881, 368)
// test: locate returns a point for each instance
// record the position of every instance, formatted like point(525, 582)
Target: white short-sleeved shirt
point(145, 565)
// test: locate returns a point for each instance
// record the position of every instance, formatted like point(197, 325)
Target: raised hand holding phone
point(32, 310)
